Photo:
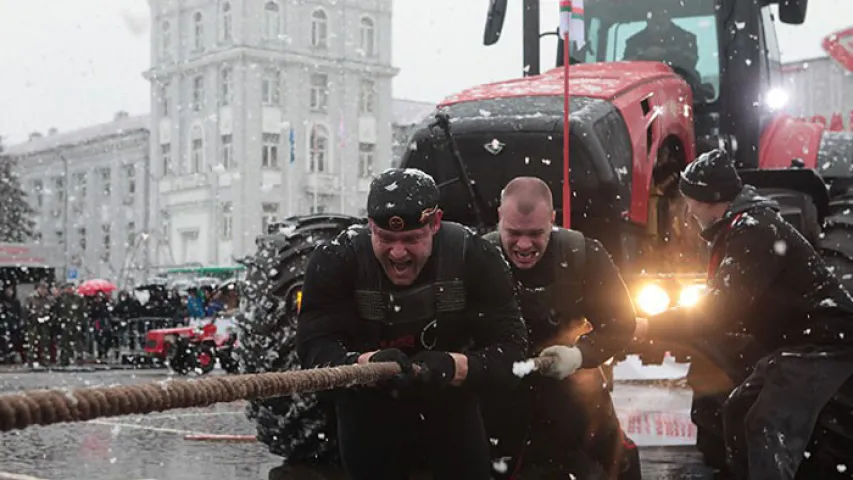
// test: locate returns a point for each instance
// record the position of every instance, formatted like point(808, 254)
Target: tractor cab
point(725, 50)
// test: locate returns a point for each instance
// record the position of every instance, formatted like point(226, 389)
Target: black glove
point(437, 369)
point(402, 380)
point(393, 355)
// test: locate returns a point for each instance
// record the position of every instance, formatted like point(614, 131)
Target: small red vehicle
point(195, 347)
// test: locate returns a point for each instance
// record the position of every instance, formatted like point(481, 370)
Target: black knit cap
point(402, 199)
point(711, 178)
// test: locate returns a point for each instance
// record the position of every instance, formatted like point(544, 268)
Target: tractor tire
point(182, 357)
point(798, 209)
point(296, 427)
point(836, 242)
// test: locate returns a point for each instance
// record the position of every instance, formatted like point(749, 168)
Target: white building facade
point(261, 110)
point(90, 188)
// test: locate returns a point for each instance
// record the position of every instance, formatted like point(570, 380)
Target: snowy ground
point(153, 446)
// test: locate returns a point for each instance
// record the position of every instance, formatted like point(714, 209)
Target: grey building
point(261, 110)
point(820, 87)
point(89, 190)
point(407, 114)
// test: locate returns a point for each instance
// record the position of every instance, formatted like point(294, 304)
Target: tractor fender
point(787, 139)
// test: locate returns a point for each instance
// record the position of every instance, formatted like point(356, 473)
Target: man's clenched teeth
point(527, 255)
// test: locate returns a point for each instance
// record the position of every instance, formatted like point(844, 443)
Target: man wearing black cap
point(765, 280)
point(412, 289)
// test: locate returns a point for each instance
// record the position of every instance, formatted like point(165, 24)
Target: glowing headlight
point(776, 99)
point(653, 300)
point(690, 295)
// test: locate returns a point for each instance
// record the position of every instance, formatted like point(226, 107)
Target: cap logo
point(426, 213)
point(396, 223)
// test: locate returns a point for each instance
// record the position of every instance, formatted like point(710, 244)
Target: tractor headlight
point(690, 295)
point(653, 299)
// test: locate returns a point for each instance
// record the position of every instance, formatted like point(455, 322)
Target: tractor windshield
point(680, 33)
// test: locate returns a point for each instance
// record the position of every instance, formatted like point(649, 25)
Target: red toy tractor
point(196, 347)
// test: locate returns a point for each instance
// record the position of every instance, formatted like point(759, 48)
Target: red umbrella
point(91, 287)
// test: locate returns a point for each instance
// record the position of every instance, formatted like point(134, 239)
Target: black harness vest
point(548, 309)
point(412, 319)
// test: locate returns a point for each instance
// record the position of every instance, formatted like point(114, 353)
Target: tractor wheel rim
point(204, 359)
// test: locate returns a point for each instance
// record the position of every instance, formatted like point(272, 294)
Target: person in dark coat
point(70, 311)
point(663, 40)
point(11, 323)
point(412, 289)
point(577, 307)
point(767, 281)
point(126, 311)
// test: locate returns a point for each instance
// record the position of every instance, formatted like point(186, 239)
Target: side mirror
point(793, 12)
point(494, 21)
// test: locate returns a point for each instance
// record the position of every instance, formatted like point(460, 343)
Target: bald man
point(579, 311)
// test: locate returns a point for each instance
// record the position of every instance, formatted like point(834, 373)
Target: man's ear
point(438, 215)
point(553, 216)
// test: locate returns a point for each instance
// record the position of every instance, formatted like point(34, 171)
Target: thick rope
point(46, 407)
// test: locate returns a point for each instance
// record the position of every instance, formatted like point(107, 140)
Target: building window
point(105, 181)
point(165, 224)
point(366, 153)
point(319, 150)
point(198, 29)
point(59, 188)
point(38, 188)
point(130, 172)
point(319, 29)
point(131, 234)
point(80, 184)
point(319, 92)
point(227, 221)
point(270, 215)
point(227, 34)
point(81, 235)
point(272, 20)
point(105, 249)
point(269, 158)
point(270, 87)
point(198, 93)
point(226, 91)
point(227, 153)
point(166, 39)
point(367, 99)
point(166, 155)
point(164, 100)
point(197, 152)
point(368, 37)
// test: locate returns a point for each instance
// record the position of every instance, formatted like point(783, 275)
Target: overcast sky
point(68, 64)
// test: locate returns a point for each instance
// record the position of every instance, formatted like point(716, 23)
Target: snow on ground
point(653, 415)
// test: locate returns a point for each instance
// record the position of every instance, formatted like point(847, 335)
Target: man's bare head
point(526, 216)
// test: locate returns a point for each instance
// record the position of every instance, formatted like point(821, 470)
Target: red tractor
point(640, 113)
point(196, 347)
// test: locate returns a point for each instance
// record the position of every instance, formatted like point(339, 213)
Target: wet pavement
point(153, 446)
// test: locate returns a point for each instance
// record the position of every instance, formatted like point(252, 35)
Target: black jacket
point(604, 301)
point(330, 332)
point(767, 281)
